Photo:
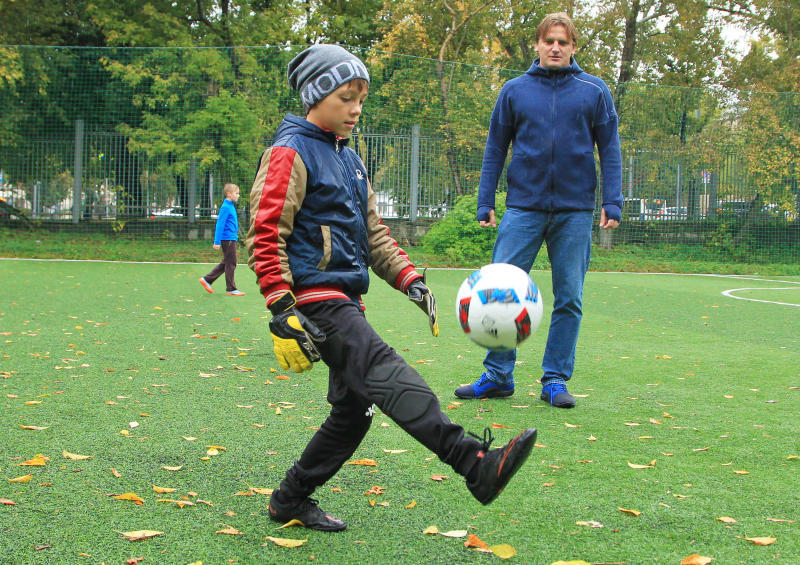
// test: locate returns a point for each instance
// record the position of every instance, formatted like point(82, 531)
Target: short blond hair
point(229, 188)
point(557, 19)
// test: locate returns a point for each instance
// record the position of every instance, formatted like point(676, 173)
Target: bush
point(459, 238)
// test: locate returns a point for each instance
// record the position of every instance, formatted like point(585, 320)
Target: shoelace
point(486, 440)
point(556, 388)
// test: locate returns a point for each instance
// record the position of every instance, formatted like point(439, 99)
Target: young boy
point(314, 231)
point(226, 235)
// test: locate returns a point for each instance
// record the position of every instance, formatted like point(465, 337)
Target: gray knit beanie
point(321, 69)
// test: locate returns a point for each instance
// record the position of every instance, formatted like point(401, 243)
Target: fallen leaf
point(365, 462)
point(780, 520)
point(727, 520)
point(591, 438)
point(430, 530)
point(454, 533)
point(762, 541)
point(38, 460)
point(579, 562)
point(229, 531)
point(285, 542)
point(695, 559)
point(568, 425)
point(163, 490)
point(116, 473)
point(75, 457)
point(376, 490)
point(292, 522)
point(503, 551)
point(178, 503)
point(629, 511)
point(139, 534)
point(7, 502)
point(35, 428)
point(167, 468)
point(497, 426)
point(130, 496)
point(589, 524)
point(394, 451)
point(742, 472)
point(23, 479)
point(266, 491)
point(439, 478)
point(637, 466)
point(411, 504)
point(475, 541)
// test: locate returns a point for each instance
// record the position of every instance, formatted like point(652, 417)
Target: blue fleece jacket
point(554, 118)
point(227, 223)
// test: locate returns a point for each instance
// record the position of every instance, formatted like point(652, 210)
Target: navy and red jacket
point(314, 227)
point(554, 119)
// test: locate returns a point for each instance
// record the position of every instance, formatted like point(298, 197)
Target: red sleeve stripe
point(270, 207)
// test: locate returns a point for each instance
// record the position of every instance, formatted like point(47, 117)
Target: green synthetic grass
point(670, 372)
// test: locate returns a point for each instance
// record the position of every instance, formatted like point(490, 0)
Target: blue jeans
point(568, 236)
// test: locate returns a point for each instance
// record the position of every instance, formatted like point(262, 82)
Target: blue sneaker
point(556, 394)
point(484, 387)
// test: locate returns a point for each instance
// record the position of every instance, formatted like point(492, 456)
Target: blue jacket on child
point(227, 223)
point(554, 119)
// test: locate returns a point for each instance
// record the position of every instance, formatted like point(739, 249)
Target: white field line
point(729, 294)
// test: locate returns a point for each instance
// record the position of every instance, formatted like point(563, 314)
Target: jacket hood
point(572, 68)
point(295, 125)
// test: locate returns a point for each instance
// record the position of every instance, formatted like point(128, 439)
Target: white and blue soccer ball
point(499, 306)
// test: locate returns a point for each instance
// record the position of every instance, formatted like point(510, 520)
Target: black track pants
point(363, 370)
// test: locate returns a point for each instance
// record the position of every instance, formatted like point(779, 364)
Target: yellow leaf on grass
point(430, 530)
point(286, 542)
point(637, 466)
point(23, 479)
point(75, 457)
point(589, 524)
point(394, 451)
point(7, 502)
point(742, 472)
point(411, 504)
point(727, 520)
point(579, 562)
point(116, 473)
point(34, 428)
point(503, 551)
point(629, 511)
point(33, 402)
point(454, 533)
point(212, 452)
point(130, 496)
point(695, 559)
point(376, 490)
point(229, 531)
point(178, 503)
point(163, 490)
point(762, 541)
point(439, 478)
point(292, 522)
point(140, 534)
point(38, 460)
point(266, 491)
point(167, 468)
point(793, 457)
point(365, 462)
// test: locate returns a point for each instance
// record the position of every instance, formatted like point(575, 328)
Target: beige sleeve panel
point(387, 259)
point(277, 195)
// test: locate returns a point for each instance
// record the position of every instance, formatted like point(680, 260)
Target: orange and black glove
point(293, 335)
point(421, 295)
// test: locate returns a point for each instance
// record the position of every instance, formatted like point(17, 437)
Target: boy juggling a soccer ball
point(314, 232)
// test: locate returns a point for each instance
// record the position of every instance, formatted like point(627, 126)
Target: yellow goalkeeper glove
point(293, 335)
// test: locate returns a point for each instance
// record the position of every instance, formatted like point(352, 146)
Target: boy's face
point(339, 111)
point(233, 196)
point(555, 48)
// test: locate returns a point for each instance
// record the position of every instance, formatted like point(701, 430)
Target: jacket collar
point(572, 68)
point(296, 124)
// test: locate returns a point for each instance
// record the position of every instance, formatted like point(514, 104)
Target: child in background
point(226, 234)
point(314, 233)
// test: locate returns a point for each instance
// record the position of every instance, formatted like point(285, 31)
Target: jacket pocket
point(326, 248)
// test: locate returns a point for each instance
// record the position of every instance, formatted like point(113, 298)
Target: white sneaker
point(205, 284)
point(235, 293)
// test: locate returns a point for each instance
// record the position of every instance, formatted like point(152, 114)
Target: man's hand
point(491, 222)
point(422, 296)
point(293, 335)
point(606, 223)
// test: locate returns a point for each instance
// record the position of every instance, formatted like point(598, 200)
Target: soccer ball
point(499, 306)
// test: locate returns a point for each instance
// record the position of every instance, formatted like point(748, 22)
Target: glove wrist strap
point(282, 304)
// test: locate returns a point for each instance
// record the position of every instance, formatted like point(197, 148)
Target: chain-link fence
point(142, 140)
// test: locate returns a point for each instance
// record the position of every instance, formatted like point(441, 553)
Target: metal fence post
point(413, 189)
point(192, 196)
point(77, 186)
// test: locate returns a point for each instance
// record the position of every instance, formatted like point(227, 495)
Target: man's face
point(555, 48)
point(340, 110)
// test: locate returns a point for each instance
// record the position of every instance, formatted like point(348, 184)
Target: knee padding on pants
point(399, 391)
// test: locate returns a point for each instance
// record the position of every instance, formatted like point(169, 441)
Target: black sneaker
point(556, 394)
point(497, 466)
point(307, 512)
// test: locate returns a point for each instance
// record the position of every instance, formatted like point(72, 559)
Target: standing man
point(555, 115)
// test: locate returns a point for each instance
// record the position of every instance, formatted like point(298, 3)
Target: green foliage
point(459, 238)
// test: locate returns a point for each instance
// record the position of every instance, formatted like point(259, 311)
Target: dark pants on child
point(227, 265)
point(363, 370)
